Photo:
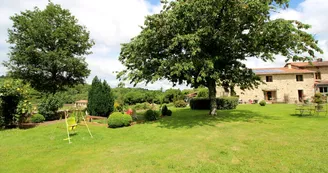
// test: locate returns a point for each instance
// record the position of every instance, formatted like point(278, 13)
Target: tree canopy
point(48, 48)
point(206, 42)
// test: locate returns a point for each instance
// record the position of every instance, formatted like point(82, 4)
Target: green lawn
point(248, 139)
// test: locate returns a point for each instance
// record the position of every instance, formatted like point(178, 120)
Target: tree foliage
point(206, 42)
point(100, 98)
point(14, 102)
point(48, 48)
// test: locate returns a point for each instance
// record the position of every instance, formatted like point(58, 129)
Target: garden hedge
point(223, 103)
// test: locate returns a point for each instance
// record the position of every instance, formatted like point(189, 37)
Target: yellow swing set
point(71, 124)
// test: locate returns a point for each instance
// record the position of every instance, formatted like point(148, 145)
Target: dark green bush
point(118, 119)
point(262, 103)
point(37, 118)
point(49, 107)
point(224, 103)
point(151, 115)
point(169, 113)
point(180, 104)
point(164, 110)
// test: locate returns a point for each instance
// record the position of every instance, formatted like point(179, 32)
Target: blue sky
point(112, 22)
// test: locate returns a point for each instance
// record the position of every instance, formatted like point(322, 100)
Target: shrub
point(142, 106)
point(49, 107)
point(13, 102)
point(169, 113)
point(262, 103)
point(118, 119)
point(224, 103)
point(180, 104)
point(202, 92)
point(151, 115)
point(37, 118)
point(164, 110)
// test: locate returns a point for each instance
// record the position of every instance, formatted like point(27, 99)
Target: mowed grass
point(248, 139)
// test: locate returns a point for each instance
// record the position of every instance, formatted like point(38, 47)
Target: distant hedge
point(223, 103)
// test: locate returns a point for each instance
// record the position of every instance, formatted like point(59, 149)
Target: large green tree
point(48, 49)
point(206, 42)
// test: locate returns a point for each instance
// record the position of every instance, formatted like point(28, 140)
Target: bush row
point(223, 103)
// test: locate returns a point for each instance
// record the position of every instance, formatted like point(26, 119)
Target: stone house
point(81, 103)
point(295, 82)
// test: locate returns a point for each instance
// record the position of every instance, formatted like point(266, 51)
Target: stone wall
point(285, 85)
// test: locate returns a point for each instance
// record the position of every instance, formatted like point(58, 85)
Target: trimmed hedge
point(117, 119)
point(262, 103)
point(223, 103)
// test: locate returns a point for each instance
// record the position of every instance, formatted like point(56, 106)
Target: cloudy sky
point(112, 22)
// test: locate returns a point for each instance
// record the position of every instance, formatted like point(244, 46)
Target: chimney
point(319, 60)
point(289, 66)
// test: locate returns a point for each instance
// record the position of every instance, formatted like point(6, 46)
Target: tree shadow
point(308, 115)
point(186, 118)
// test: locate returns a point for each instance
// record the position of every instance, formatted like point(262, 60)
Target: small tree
point(100, 98)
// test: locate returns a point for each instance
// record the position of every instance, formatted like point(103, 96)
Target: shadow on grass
point(309, 115)
point(187, 118)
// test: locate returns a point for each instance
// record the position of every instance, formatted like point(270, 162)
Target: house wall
point(322, 70)
point(283, 84)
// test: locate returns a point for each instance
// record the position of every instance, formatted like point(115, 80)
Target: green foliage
point(164, 110)
point(318, 98)
point(224, 103)
point(262, 103)
point(15, 107)
point(151, 115)
point(37, 118)
point(48, 48)
point(142, 106)
point(169, 113)
point(202, 92)
point(78, 115)
point(180, 104)
point(118, 119)
point(100, 98)
point(206, 43)
point(173, 95)
point(50, 105)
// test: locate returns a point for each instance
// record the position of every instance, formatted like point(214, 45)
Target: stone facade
point(285, 87)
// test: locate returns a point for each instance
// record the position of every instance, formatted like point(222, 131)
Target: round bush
point(180, 104)
point(151, 115)
point(118, 119)
point(262, 103)
point(169, 113)
point(37, 118)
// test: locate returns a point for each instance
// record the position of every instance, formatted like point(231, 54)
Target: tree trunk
point(212, 96)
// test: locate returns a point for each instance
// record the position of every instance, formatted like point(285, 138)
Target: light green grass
point(248, 139)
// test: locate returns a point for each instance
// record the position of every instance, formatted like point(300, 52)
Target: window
point(268, 78)
point(323, 89)
point(318, 75)
point(299, 78)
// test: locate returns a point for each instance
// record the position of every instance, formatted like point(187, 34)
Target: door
point(269, 95)
point(300, 95)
